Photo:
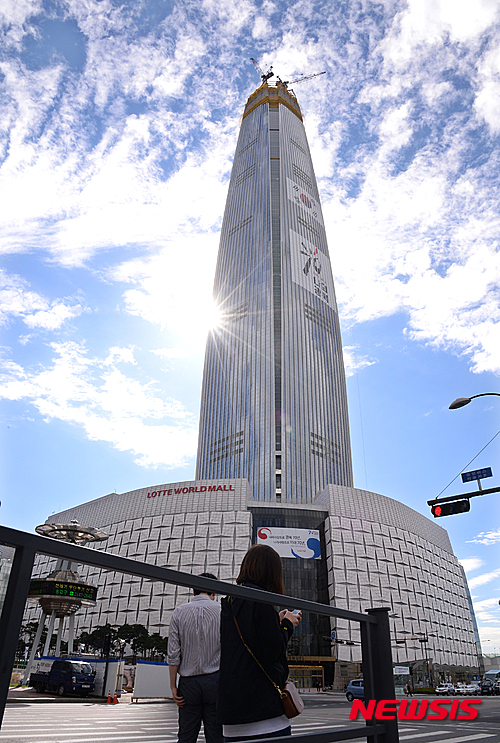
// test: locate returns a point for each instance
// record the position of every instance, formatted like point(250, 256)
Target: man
point(194, 654)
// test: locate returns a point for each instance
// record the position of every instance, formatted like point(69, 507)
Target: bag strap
point(280, 692)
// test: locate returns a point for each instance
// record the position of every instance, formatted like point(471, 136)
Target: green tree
point(159, 645)
point(27, 637)
point(136, 635)
point(95, 639)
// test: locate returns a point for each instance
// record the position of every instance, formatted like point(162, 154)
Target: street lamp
point(461, 401)
point(423, 637)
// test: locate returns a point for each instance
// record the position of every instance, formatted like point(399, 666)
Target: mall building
point(274, 455)
point(373, 551)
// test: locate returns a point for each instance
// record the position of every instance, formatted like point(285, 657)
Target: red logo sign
point(416, 709)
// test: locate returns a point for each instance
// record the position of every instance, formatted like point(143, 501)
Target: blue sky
point(118, 126)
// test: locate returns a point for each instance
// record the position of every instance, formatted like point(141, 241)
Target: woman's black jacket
point(245, 692)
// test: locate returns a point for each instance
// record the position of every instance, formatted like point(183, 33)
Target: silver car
point(447, 690)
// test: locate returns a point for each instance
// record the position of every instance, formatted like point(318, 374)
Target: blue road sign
point(333, 634)
point(476, 474)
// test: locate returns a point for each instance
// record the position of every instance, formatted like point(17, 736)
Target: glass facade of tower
point(274, 408)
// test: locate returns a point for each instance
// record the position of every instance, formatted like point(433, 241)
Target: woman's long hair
point(262, 565)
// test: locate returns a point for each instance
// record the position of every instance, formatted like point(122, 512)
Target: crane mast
point(264, 76)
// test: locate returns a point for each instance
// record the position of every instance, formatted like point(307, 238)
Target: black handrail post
point(12, 616)
point(378, 671)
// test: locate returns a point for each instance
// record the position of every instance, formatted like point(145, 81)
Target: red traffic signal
point(447, 509)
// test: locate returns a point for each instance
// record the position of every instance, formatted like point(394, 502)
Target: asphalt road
point(46, 719)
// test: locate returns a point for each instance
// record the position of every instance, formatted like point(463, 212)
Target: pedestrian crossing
point(157, 723)
point(438, 735)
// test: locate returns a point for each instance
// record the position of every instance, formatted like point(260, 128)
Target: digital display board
point(62, 589)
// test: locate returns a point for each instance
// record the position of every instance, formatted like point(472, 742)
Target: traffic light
point(447, 509)
point(107, 645)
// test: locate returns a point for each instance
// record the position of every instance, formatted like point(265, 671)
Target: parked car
point(355, 690)
point(65, 677)
point(486, 687)
point(460, 689)
point(445, 689)
point(471, 690)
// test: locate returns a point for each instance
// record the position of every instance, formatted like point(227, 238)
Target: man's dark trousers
point(200, 694)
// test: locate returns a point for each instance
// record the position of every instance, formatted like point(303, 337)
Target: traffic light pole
point(451, 498)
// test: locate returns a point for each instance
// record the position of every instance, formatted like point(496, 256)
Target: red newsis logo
point(416, 709)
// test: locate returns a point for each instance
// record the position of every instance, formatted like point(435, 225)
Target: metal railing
point(375, 633)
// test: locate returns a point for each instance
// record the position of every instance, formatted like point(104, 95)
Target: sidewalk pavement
point(28, 694)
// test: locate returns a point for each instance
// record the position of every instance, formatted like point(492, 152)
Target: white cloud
point(18, 11)
point(179, 352)
point(412, 215)
point(14, 15)
point(425, 23)
point(487, 102)
point(485, 604)
point(171, 287)
point(232, 15)
point(399, 259)
point(117, 197)
point(490, 639)
point(53, 318)
point(121, 354)
point(484, 616)
point(471, 563)
point(486, 537)
point(353, 362)
point(480, 580)
point(106, 404)
point(36, 311)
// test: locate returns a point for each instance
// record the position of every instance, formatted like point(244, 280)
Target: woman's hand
point(293, 618)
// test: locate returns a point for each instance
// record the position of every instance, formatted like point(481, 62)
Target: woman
point(249, 705)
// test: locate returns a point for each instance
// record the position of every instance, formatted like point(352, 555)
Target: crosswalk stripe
point(63, 729)
point(460, 739)
point(41, 726)
point(132, 739)
point(158, 738)
point(422, 735)
point(310, 725)
point(302, 728)
point(95, 737)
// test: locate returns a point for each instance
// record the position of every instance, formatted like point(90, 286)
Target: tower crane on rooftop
point(264, 76)
point(286, 83)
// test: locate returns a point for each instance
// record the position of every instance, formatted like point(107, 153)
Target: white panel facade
point(379, 552)
point(387, 555)
point(190, 526)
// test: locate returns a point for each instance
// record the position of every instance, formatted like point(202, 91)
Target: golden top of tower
point(274, 94)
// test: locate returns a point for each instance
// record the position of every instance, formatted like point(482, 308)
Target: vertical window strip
point(274, 154)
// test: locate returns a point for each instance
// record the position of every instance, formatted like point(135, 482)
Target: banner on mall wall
point(289, 542)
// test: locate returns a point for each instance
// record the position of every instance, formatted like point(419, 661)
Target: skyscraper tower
point(274, 403)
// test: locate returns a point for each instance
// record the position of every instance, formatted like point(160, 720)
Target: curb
point(19, 696)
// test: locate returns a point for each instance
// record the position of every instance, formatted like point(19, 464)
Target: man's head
point(196, 592)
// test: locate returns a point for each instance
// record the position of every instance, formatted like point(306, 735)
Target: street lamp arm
point(461, 401)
